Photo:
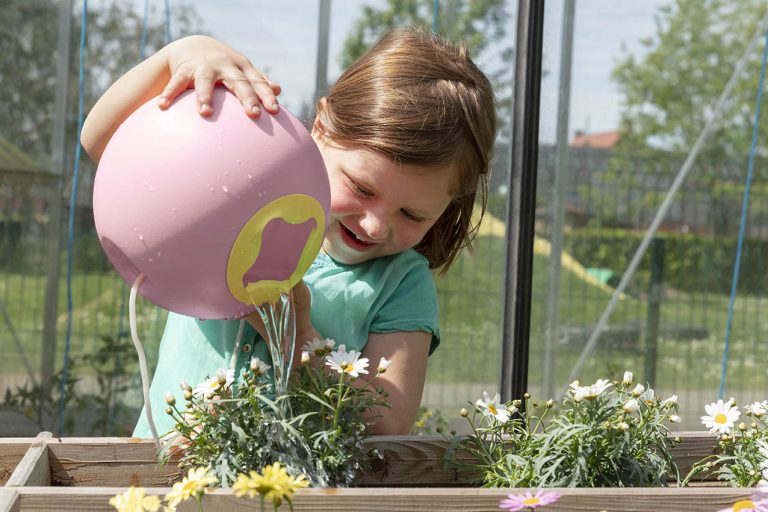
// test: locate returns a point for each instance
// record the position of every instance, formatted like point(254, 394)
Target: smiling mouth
point(351, 236)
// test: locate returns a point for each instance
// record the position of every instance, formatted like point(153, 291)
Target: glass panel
point(282, 39)
point(645, 79)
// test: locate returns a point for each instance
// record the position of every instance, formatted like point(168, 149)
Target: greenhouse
point(385, 254)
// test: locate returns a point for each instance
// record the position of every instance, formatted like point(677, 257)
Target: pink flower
point(528, 500)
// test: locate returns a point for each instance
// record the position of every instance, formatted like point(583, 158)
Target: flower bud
point(678, 439)
point(187, 394)
point(168, 411)
point(627, 380)
point(674, 418)
point(383, 365)
point(184, 385)
point(526, 395)
point(622, 426)
point(304, 357)
point(170, 399)
point(463, 412)
point(639, 390)
point(550, 403)
point(221, 376)
point(742, 426)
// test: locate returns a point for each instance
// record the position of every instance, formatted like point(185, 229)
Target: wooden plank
point(96, 462)
point(398, 499)
point(9, 500)
point(12, 450)
point(33, 469)
point(407, 461)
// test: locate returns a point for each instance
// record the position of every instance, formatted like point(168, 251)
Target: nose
point(375, 225)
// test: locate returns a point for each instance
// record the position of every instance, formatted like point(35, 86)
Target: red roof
point(604, 140)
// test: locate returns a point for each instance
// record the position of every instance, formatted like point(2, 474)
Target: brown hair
point(419, 99)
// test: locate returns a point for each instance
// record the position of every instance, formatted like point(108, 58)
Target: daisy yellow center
point(347, 367)
point(533, 500)
point(744, 505)
point(721, 418)
point(492, 408)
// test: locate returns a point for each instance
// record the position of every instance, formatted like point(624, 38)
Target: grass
point(471, 302)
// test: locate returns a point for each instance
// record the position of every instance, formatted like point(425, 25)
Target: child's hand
point(202, 62)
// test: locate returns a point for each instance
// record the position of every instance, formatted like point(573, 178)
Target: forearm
point(143, 82)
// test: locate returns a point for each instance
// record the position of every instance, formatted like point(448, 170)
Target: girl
point(406, 134)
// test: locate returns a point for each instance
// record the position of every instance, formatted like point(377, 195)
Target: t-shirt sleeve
point(411, 306)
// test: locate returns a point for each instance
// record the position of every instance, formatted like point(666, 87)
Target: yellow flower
point(191, 486)
point(135, 500)
point(273, 484)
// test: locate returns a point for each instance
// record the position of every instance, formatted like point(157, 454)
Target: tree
point(28, 43)
point(476, 23)
point(671, 89)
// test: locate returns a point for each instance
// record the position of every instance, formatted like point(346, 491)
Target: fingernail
point(255, 109)
point(163, 102)
point(205, 108)
point(274, 106)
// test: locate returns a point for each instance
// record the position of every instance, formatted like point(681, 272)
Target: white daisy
point(493, 408)
point(208, 387)
point(639, 390)
point(631, 405)
point(669, 401)
point(259, 367)
point(674, 418)
point(347, 362)
point(758, 409)
point(721, 416)
point(589, 392)
point(627, 380)
point(318, 347)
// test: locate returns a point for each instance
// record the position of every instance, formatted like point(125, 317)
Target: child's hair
point(418, 99)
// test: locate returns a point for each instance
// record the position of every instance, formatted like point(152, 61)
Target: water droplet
point(224, 188)
point(250, 177)
point(150, 260)
point(239, 161)
point(159, 254)
point(141, 237)
point(173, 210)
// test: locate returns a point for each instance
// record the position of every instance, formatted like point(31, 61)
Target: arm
point(403, 381)
point(195, 61)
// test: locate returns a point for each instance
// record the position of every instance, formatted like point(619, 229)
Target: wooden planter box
point(77, 474)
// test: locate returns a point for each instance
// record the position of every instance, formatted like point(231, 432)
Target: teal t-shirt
point(388, 294)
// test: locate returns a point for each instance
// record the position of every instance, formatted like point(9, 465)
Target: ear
point(318, 130)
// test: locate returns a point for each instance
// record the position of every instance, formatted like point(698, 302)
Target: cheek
point(410, 234)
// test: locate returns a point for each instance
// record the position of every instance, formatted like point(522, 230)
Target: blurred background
point(627, 89)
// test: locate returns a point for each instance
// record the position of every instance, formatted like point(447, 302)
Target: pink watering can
point(219, 214)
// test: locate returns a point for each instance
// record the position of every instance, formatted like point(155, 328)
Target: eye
point(412, 216)
point(358, 190)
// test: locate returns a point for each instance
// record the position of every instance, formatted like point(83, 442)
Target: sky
point(281, 38)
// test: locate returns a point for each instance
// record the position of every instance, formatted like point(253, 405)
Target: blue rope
point(742, 225)
point(72, 209)
point(168, 38)
point(143, 43)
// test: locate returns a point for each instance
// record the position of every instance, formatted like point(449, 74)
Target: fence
point(669, 326)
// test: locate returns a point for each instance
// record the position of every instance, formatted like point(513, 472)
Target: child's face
point(378, 207)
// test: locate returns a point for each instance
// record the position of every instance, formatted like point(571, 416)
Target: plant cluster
point(317, 428)
point(742, 457)
point(273, 485)
point(604, 434)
